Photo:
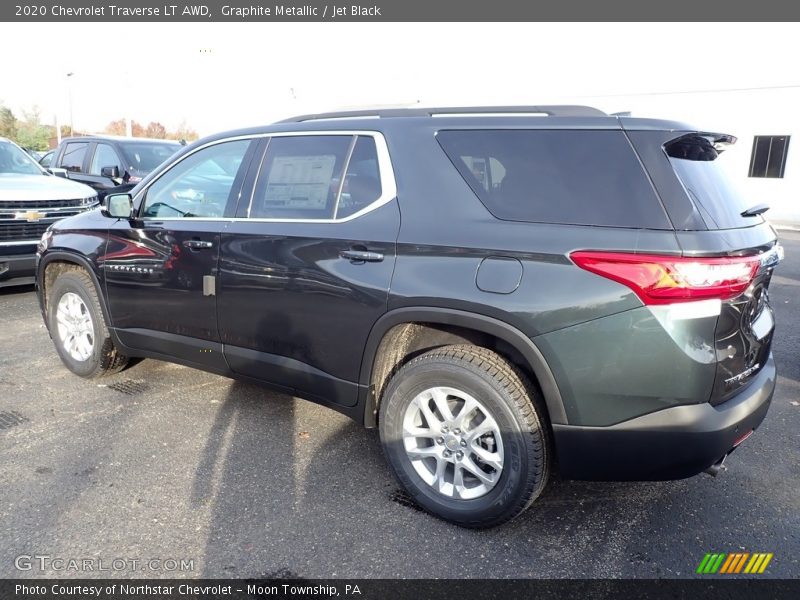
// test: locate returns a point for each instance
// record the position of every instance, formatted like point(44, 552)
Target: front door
point(102, 156)
point(160, 267)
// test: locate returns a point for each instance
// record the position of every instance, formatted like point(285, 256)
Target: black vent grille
point(11, 232)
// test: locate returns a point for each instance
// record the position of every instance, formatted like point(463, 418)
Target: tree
point(31, 132)
point(117, 127)
point(8, 123)
point(183, 132)
point(155, 130)
point(120, 127)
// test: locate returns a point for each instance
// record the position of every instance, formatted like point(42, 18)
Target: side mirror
point(112, 172)
point(118, 206)
point(59, 172)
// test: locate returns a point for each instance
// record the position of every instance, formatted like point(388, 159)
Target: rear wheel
point(78, 328)
point(462, 432)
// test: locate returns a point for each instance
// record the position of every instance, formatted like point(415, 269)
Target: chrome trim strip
point(22, 242)
point(386, 171)
point(48, 219)
point(45, 209)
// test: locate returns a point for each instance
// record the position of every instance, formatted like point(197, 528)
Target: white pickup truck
point(30, 200)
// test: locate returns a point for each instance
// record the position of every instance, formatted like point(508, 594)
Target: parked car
point(47, 158)
point(570, 291)
point(35, 154)
point(111, 163)
point(30, 200)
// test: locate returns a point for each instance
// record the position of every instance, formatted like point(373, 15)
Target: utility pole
point(69, 96)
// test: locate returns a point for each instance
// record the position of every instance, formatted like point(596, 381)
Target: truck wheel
point(78, 328)
point(465, 435)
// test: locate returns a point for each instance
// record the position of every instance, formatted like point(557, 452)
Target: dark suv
point(502, 293)
point(110, 163)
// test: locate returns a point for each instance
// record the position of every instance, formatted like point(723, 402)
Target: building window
point(769, 155)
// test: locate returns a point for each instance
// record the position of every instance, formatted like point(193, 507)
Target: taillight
point(660, 279)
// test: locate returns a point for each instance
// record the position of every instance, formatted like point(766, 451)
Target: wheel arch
point(62, 256)
point(470, 327)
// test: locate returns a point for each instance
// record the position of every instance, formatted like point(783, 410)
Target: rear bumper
point(17, 269)
point(673, 443)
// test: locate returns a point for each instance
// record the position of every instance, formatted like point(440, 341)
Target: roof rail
point(551, 111)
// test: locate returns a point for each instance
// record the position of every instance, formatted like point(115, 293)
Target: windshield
point(145, 156)
point(17, 161)
point(700, 167)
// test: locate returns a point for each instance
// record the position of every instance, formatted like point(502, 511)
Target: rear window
point(146, 156)
point(701, 168)
point(556, 176)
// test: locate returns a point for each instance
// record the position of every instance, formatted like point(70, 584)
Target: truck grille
point(17, 225)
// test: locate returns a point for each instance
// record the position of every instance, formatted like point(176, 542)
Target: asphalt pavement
point(216, 478)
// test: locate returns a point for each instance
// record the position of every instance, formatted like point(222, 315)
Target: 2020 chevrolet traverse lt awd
point(502, 291)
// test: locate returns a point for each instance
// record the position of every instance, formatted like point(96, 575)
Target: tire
point(73, 306)
point(507, 407)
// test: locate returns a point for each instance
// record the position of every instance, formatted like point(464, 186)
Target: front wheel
point(78, 328)
point(464, 434)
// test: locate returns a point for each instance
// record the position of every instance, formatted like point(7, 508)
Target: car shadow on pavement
point(296, 490)
point(279, 474)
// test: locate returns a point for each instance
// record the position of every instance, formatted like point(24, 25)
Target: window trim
point(385, 171)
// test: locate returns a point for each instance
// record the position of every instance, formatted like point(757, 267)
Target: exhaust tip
point(717, 467)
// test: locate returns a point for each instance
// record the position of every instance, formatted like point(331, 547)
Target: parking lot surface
point(164, 462)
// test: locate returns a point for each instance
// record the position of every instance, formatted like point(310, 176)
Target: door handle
point(359, 256)
point(198, 244)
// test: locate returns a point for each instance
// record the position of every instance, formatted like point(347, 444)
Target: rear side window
point(700, 166)
point(300, 177)
point(74, 154)
point(556, 176)
point(362, 182)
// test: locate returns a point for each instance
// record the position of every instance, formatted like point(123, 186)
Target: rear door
point(305, 267)
point(713, 218)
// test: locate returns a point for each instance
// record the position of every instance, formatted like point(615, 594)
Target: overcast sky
point(220, 76)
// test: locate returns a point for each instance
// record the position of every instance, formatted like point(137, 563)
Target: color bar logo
point(737, 562)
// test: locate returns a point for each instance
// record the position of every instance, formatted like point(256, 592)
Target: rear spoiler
point(699, 145)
